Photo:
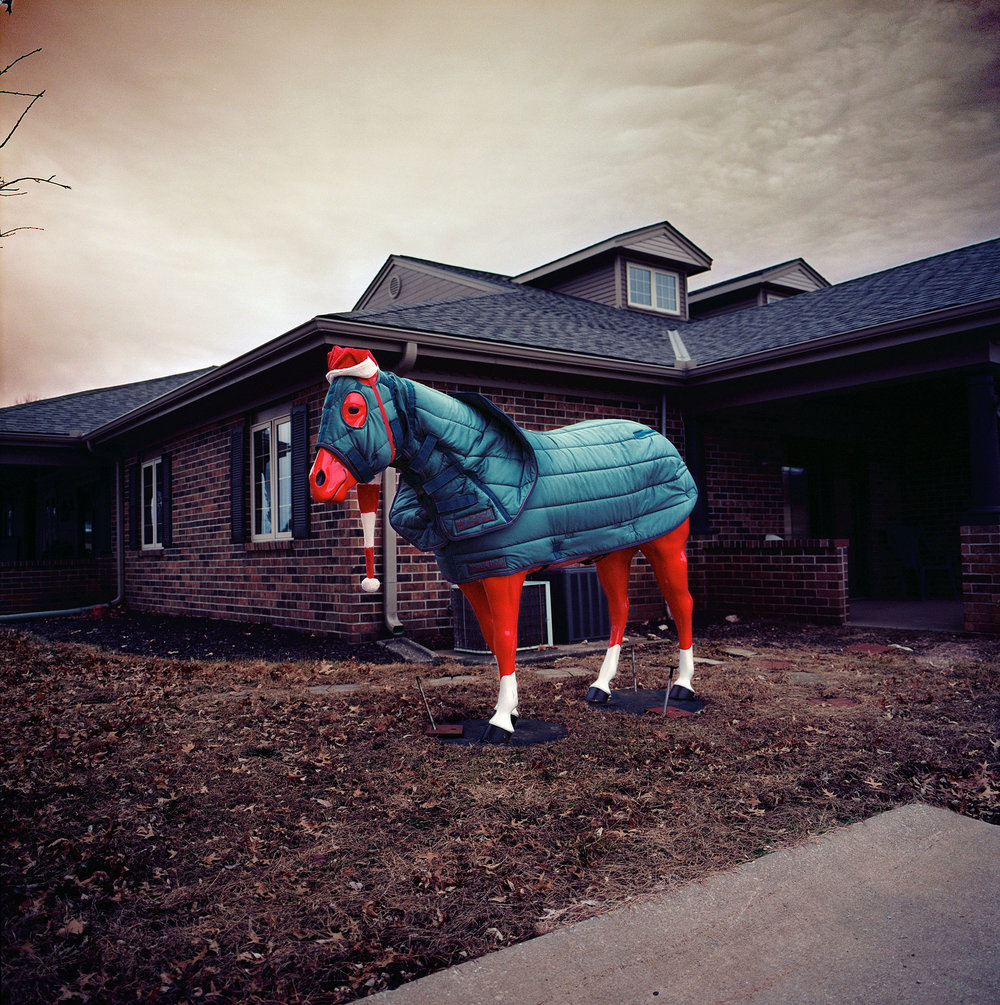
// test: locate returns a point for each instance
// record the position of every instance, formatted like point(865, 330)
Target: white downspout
point(390, 596)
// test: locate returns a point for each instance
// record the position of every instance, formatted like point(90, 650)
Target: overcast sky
point(239, 167)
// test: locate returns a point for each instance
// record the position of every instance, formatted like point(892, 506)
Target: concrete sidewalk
point(902, 908)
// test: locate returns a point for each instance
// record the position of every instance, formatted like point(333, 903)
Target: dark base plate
point(647, 699)
point(527, 733)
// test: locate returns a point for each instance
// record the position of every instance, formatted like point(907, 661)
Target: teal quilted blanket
point(489, 498)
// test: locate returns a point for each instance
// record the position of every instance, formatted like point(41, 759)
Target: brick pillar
point(981, 578)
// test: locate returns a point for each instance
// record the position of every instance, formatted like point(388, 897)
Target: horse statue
point(495, 502)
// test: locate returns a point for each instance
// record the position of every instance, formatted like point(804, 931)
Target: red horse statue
point(495, 502)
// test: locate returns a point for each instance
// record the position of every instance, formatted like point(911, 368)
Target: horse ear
point(368, 495)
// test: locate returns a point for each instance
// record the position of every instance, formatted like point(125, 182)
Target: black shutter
point(300, 471)
point(134, 508)
point(237, 491)
point(168, 518)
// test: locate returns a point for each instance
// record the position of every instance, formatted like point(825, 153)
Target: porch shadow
point(921, 615)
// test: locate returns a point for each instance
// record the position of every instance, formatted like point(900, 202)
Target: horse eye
point(354, 410)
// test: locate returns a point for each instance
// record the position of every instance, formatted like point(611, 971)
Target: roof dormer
point(777, 282)
point(643, 270)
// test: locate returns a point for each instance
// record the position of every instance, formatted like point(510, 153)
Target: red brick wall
point(308, 584)
point(314, 584)
point(56, 585)
point(981, 579)
point(793, 579)
point(743, 473)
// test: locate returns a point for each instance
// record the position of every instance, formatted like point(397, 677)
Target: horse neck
point(436, 428)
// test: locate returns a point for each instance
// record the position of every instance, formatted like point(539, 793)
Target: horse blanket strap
point(359, 464)
point(456, 503)
point(423, 453)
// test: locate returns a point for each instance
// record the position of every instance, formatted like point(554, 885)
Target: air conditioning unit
point(534, 620)
point(579, 606)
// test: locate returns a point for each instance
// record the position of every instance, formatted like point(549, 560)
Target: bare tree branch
point(15, 186)
point(5, 185)
point(14, 230)
point(21, 116)
point(19, 58)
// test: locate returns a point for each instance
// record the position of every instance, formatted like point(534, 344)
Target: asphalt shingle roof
point(78, 414)
point(956, 278)
point(523, 315)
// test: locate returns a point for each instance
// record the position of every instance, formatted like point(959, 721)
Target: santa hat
point(358, 363)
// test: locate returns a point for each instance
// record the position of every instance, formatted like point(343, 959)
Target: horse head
point(356, 439)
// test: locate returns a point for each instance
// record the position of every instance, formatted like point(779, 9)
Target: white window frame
point(268, 484)
point(151, 504)
point(654, 303)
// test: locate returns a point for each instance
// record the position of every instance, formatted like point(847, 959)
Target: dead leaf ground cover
point(178, 830)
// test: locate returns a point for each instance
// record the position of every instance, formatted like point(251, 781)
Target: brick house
point(844, 438)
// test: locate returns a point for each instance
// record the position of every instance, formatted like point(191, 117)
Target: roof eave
point(326, 330)
point(445, 346)
point(921, 327)
point(42, 448)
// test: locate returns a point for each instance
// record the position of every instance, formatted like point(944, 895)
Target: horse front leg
point(668, 556)
point(496, 602)
point(613, 572)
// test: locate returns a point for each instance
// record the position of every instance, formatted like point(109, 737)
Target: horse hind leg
point(668, 557)
point(613, 572)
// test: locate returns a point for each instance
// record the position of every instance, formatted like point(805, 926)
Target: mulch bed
point(141, 634)
point(254, 825)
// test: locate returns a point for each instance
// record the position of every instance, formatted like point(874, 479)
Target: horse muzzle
point(329, 480)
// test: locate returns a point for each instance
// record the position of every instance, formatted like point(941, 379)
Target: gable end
point(406, 282)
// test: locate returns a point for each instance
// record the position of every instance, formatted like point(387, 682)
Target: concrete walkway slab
point(903, 908)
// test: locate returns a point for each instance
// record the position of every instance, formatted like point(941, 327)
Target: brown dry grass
point(177, 831)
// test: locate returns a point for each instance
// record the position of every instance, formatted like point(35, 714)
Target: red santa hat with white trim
point(358, 363)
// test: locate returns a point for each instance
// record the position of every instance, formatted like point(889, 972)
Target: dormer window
point(653, 289)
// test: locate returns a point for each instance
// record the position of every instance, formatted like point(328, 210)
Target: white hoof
point(504, 720)
point(607, 672)
point(685, 671)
